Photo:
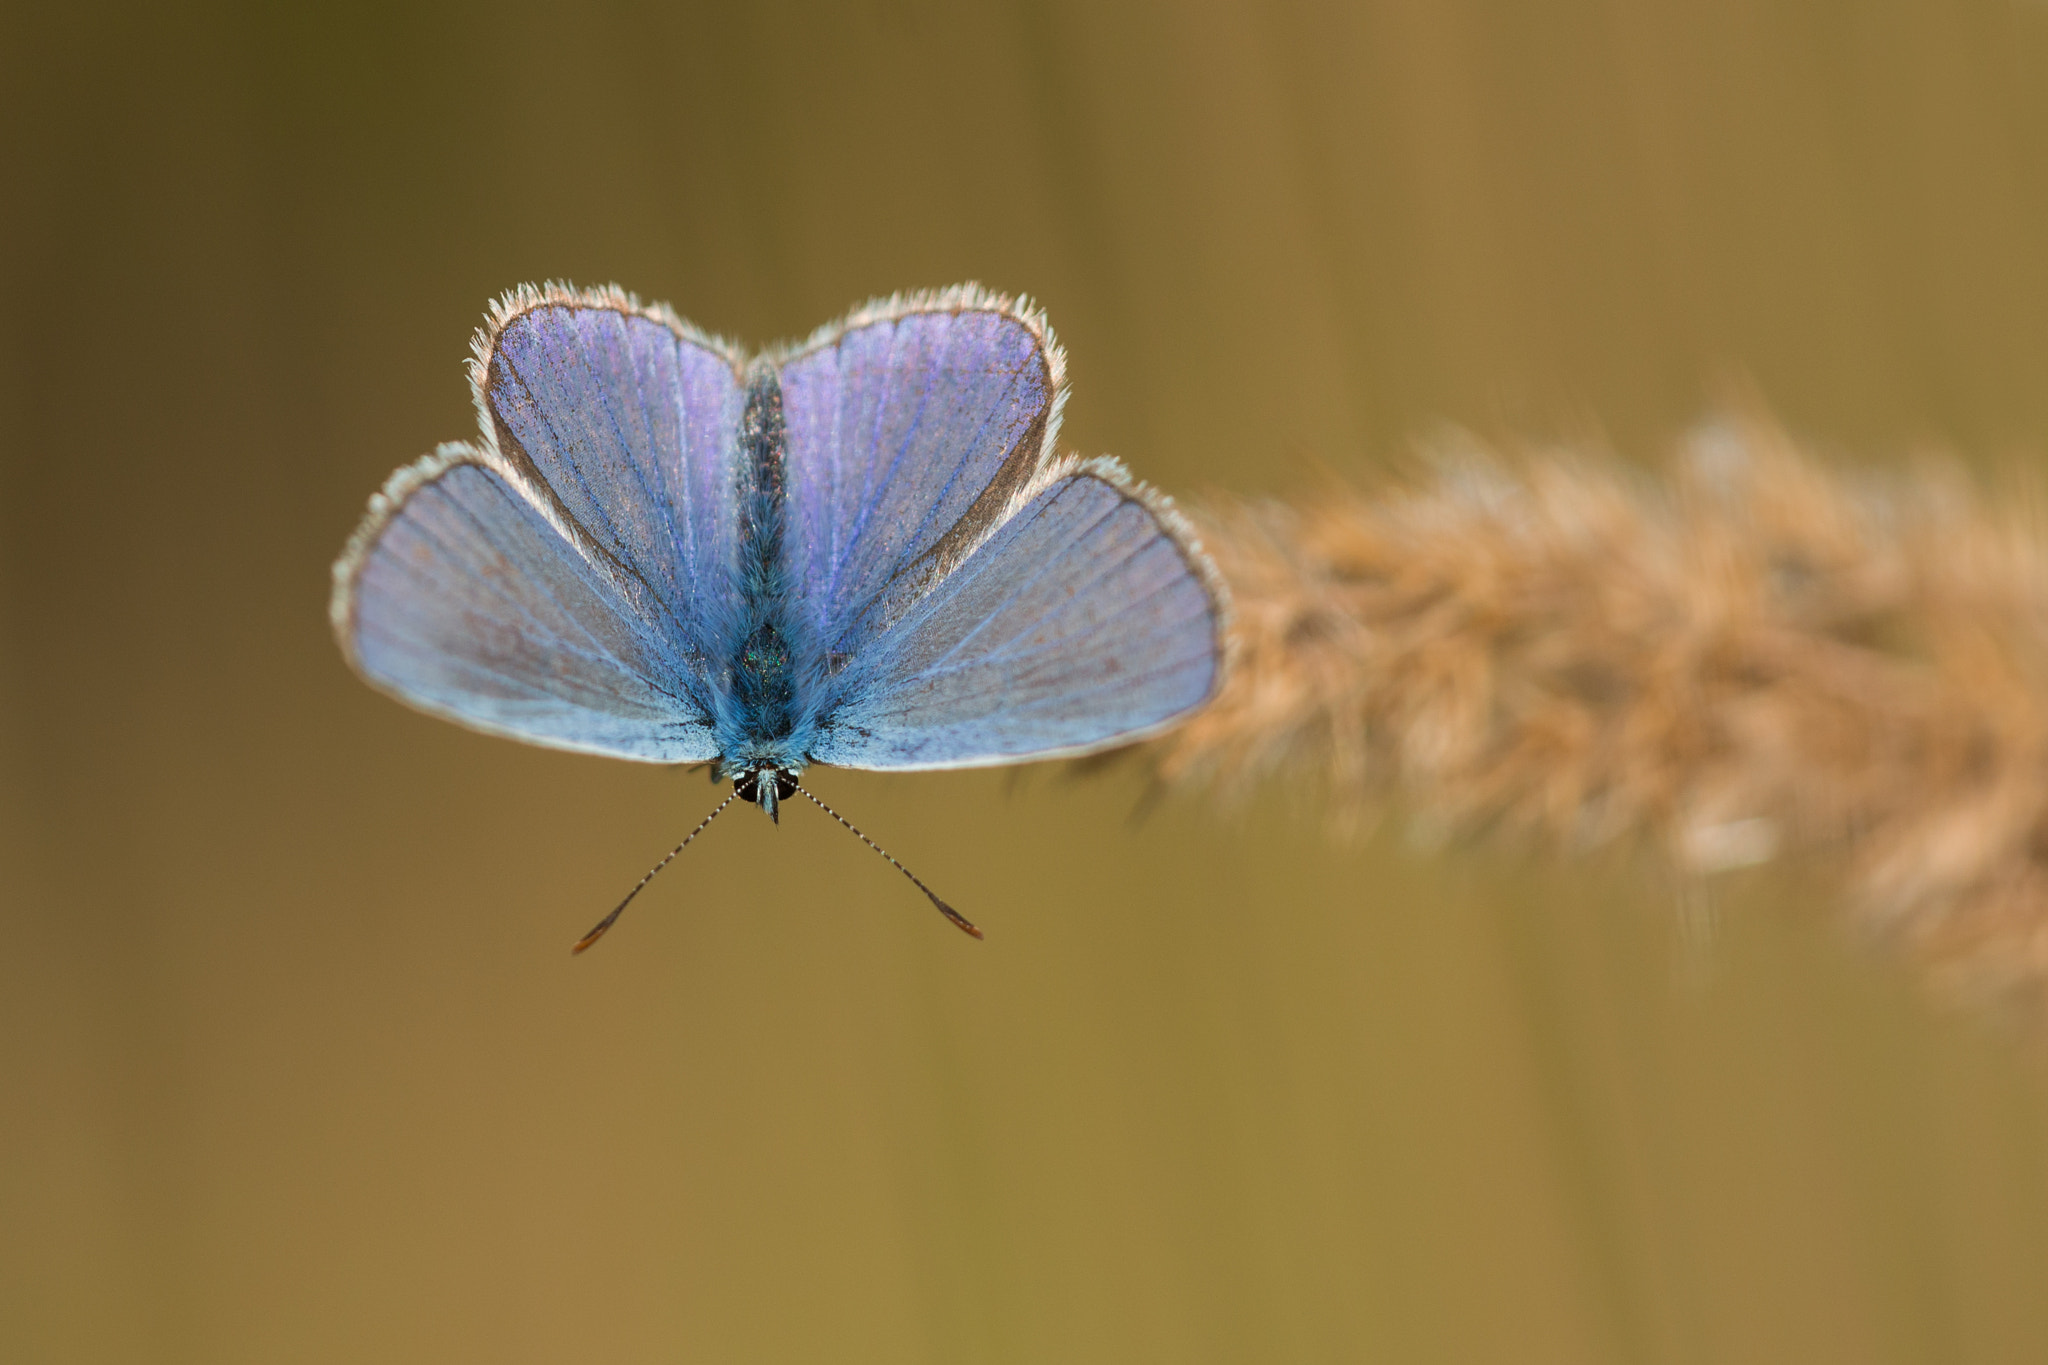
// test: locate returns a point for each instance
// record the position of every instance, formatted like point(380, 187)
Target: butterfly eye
point(748, 786)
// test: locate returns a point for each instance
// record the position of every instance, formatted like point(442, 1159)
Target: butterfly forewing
point(461, 598)
point(1086, 620)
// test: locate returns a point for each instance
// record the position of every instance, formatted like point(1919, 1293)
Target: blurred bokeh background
point(294, 1064)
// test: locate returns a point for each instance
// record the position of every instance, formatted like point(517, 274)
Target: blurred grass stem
point(1752, 658)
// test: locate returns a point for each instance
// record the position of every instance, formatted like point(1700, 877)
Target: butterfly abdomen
point(764, 713)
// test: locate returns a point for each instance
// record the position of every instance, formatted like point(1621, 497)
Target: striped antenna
point(595, 934)
point(960, 921)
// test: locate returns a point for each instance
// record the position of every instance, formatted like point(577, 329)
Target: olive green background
point(294, 1064)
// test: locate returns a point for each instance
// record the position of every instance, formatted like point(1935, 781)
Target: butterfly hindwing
point(910, 426)
point(630, 418)
point(461, 597)
point(1087, 619)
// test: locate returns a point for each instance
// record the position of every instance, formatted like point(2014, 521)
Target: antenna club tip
point(959, 921)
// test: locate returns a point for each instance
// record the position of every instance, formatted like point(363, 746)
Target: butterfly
point(861, 549)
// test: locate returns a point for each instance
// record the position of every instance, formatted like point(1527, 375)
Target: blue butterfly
point(859, 550)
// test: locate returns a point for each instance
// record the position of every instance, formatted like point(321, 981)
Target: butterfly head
point(766, 788)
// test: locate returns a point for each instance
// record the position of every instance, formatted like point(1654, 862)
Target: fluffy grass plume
point(1753, 657)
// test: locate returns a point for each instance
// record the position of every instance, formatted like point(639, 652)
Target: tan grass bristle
point(1754, 657)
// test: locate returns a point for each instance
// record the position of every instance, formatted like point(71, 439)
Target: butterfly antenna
point(960, 921)
point(595, 934)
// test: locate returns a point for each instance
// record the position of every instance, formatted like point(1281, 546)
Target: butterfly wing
point(910, 426)
point(462, 597)
point(629, 418)
point(1089, 618)
point(570, 582)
